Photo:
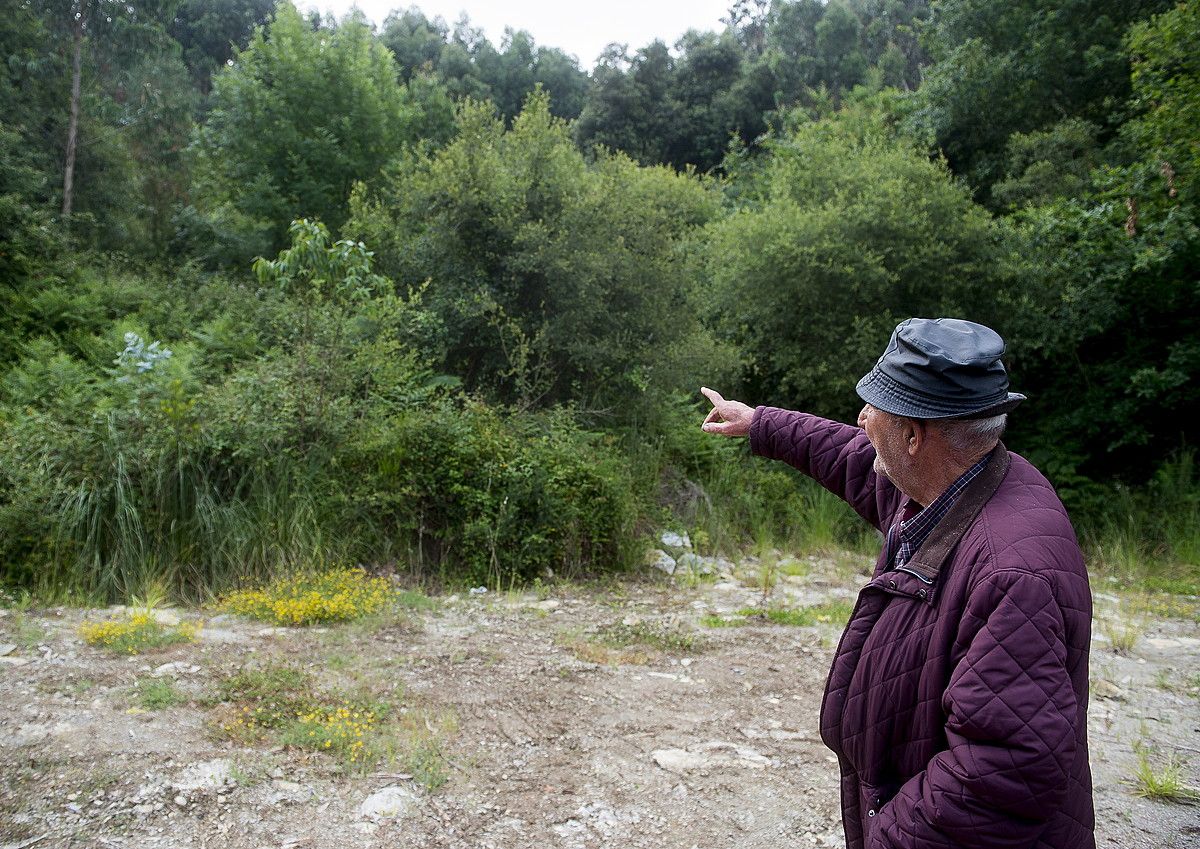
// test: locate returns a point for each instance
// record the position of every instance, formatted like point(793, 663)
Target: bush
point(494, 497)
point(331, 596)
point(842, 234)
point(296, 427)
point(136, 633)
point(553, 279)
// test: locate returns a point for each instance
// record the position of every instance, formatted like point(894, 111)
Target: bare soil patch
point(574, 717)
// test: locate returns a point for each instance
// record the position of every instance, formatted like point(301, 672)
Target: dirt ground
point(546, 735)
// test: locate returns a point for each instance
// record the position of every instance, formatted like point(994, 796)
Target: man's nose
point(862, 417)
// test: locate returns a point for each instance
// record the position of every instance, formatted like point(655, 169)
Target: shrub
point(532, 253)
point(136, 633)
point(336, 595)
point(495, 498)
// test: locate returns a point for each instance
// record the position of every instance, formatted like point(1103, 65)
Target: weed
point(1122, 634)
point(1164, 783)
point(414, 600)
point(336, 595)
point(1161, 605)
point(793, 568)
point(716, 620)
point(590, 652)
point(157, 694)
point(244, 774)
point(835, 612)
point(25, 632)
point(136, 633)
point(342, 730)
point(417, 739)
point(664, 638)
point(620, 644)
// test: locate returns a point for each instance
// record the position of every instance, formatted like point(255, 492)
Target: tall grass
point(182, 522)
point(1150, 537)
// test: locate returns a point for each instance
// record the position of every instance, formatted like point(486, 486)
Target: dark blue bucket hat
point(940, 368)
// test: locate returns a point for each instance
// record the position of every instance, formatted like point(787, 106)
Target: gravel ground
point(546, 730)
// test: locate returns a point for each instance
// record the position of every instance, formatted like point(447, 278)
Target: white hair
point(971, 437)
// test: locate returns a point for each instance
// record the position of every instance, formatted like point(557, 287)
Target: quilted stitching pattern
point(962, 722)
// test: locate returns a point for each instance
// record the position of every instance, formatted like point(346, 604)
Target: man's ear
point(915, 432)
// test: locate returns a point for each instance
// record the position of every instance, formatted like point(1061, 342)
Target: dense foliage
point(281, 292)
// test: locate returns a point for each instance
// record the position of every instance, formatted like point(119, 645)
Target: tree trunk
point(73, 124)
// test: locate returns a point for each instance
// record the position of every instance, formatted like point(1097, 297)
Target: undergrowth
point(135, 633)
point(306, 599)
point(283, 704)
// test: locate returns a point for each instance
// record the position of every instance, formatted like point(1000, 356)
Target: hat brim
point(883, 393)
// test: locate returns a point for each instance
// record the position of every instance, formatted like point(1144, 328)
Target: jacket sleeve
point(836, 455)
point(1010, 727)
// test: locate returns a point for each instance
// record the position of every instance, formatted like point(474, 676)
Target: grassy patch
point(25, 632)
point(1163, 782)
point(661, 637)
point(794, 568)
point(835, 612)
point(282, 704)
point(259, 699)
point(343, 730)
point(716, 620)
point(414, 600)
point(157, 694)
point(620, 644)
point(332, 596)
point(135, 633)
point(1161, 605)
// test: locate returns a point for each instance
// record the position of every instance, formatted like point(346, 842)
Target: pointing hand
point(727, 418)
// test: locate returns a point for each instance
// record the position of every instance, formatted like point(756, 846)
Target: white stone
point(662, 561)
point(206, 775)
point(7, 649)
point(166, 617)
point(678, 760)
point(673, 540)
point(388, 803)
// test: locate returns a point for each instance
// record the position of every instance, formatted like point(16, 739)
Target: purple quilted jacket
point(957, 701)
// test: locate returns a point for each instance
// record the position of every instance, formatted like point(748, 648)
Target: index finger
point(712, 395)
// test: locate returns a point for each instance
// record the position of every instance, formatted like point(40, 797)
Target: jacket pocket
point(871, 800)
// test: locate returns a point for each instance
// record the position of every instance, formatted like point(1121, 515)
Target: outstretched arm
point(837, 456)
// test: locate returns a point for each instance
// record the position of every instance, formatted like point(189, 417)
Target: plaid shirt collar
point(915, 524)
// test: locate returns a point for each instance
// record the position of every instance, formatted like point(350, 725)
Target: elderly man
point(957, 699)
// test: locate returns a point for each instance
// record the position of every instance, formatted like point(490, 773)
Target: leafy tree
point(1001, 68)
point(1166, 89)
point(470, 66)
point(1047, 164)
point(841, 234)
point(298, 118)
point(632, 105)
point(531, 254)
point(209, 31)
point(416, 41)
point(838, 36)
point(1120, 362)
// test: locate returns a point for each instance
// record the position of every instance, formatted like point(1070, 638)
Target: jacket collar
point(927, 561)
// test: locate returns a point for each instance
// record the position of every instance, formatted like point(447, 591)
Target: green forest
point(284, 292)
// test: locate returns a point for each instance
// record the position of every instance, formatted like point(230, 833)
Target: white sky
point(579, 28)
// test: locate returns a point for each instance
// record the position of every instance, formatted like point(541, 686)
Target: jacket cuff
point(756, 431)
